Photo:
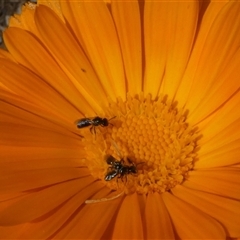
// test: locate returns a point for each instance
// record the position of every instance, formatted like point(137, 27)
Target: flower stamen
point(153, 146)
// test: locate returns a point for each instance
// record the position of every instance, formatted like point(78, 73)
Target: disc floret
point(153, 133)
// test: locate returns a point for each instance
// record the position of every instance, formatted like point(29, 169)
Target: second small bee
point(119, 169)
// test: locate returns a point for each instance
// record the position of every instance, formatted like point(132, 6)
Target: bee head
point(104, 122)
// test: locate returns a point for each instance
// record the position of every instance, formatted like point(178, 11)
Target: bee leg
point(140, 163)
point(122, 177)
point(125, 179)
point(122, 161)
point(117, 181)
point(110, 169)
point(130, 161)
point(91, 129)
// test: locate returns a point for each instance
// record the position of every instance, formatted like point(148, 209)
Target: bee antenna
point(111, 118)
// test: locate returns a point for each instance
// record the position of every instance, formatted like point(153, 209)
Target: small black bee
point(93, 122)
point(119, 168)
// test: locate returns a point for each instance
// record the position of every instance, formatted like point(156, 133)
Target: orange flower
point(164, 163)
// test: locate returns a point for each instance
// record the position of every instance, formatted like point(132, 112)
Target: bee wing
point(76, 122)
point(83, 119)
point(110, 159)
point(110, 175)
point(83, 122)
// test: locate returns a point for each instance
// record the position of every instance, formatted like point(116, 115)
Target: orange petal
point(69, 56)
point(202, 226)
point(224, 210)
point(32, 158)
point(126, 16)
point(12, 232)
point(14, 110)
point(94, 27)
point(25, 19)
point(40, 62)
point(215, 128)
point(54, 5)
point(129, 219)
point(19, 181)
point(14, 135)
point(226, 155)
point(226, 85)
point(6, 55)
point(98, 214)
point(66, 217)
point(213, 53)
point(220, 141)
point(158, 222)
point(211, 12)
point(35, 90)
point(236, 165)
point(224, 181)
point(28, 128)
point(56, 220)
point(167, 43)
point(46, 199)
point(8, 196)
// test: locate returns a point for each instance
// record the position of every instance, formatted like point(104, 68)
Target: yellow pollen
point(148, 136)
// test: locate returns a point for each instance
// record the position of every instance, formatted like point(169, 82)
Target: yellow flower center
point(147, 147)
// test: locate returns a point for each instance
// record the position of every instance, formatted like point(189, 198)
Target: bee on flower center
point(93, 122)
point(119, 168)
